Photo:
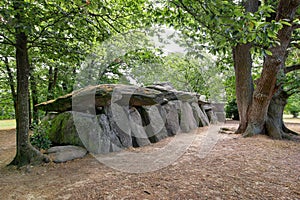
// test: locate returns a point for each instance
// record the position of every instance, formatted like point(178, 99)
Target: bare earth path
point(235, 168)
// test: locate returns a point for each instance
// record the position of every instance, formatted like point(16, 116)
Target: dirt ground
point(236, 168)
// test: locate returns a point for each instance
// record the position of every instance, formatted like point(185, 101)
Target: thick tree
point(26, 153)
point(242, 60)
point(266, 87)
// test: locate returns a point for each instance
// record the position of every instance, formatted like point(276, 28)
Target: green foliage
point(6, 107)
point(231, 110)
point(40, 138)
point(60, 35)
point(220, 24)
point(293, 105)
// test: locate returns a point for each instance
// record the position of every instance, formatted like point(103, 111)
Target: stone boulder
point(138, 133)
point(62, 130)
point(187, 119)
point(80, 129)
point(171, 116)
point(219, 111)
point(59, 154)
point(118, 117)
point(200, 117)
point(154, 122)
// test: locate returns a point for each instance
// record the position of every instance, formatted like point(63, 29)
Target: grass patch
point(7, 124)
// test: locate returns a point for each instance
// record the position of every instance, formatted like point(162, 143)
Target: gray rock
point(219, 111)
point(60, 154)
point(85, 130)
point(212, 117)
point(115, 144)
point(63, 130)
point(207, 107)
point(86, 99)
point(91, 133)
point(169, 113)
point(187, 120)
point(172, 94)
point(119, 123)
point(155, 123)
point(137, 130)
point(200, 117)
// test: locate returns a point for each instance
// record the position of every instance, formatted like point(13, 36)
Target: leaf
point(285, 22)
point(269, 53)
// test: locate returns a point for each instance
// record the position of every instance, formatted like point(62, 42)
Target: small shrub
point(40, 139)
point(295, 113)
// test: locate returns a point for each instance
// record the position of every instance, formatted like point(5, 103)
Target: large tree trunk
point(243, 74)
point(244, 83)
point(274, 123)
point(259, 122)
point(25, 152)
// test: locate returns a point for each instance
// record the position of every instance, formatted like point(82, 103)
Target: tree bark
point(26, 153)
point(244, 83)
point(34, 97)
point(243, 74)
point(11, 83)
point(259, 122)
point(52, 82)
point(275, 114)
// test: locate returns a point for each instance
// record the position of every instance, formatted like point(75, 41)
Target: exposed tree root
point(29, 155)
point(287, 130)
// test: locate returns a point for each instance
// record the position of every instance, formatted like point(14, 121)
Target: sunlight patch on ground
point(7, 124)
point(290, 119)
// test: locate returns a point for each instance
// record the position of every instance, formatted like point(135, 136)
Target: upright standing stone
point(155, 127)
point(119, 123)
point(200, 117)
point(219, 111)
point(170, 114)
point(138, 133)
point(187, 120)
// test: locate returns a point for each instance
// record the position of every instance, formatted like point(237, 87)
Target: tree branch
point(102, 17)
point(10, 42)
point(296, 26)
point(291, 68)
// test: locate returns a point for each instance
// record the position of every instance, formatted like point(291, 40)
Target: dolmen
point(111, 117)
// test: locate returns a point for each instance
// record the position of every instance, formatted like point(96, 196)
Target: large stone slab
point(114, 142)
point(118, 117)
point(219, 111)
point(154, 122)
point(172, 94)
point(187, 119)
point(171, 116)
point(89, 98)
